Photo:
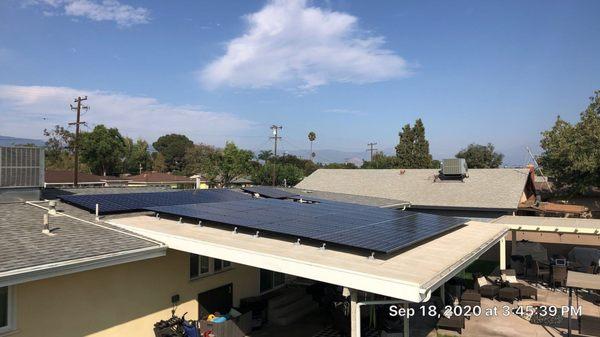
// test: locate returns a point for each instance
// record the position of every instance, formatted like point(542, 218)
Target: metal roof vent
point(454, 168)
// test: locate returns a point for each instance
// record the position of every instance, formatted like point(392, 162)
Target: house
point(64, 178)
point(64, 272)
point(161, 179)
point(485, 193)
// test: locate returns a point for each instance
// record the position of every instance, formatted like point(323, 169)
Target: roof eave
point(44, 271)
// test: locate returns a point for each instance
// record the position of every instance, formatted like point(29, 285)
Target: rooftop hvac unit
point(454, 167)
point(21, 167)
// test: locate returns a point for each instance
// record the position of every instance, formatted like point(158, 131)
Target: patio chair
point(559, 275)
point(451, 322)
point(486, 288)
point(540, 270)
point(510, 279)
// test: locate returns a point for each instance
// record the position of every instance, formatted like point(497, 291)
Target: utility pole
point(371, 149)
point(78, 122)
point(276, 137)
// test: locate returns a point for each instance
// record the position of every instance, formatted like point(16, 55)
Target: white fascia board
point(44, 271)
point(399, 289)
point(555, 229)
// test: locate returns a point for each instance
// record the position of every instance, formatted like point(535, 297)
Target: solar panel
point(270, 192)
point(127, 202)
point(356, 226)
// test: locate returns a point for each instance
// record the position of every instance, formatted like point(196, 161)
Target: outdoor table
point(508, 294)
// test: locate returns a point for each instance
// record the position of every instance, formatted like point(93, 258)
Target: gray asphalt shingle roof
point(497, 189)
point(24, 245)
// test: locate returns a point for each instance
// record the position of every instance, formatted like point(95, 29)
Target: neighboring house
point(201, 182)
point(485, 193)
point(161, 179)
point(64, 178)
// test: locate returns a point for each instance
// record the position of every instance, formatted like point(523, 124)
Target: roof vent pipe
point(46, 228)
point(52, 207)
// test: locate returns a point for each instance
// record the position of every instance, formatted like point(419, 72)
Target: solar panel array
point(270, 192)
point(363, 227)
point(128, 202)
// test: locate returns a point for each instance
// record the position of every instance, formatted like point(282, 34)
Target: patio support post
point(513, 241)
point(443, 293)
point(570, 304)
point(354, 314)
point(503, 253)
point(406, 327)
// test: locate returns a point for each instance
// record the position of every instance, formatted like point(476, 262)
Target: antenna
point(537, 166)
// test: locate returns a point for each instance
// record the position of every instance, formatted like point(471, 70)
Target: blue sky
point(352, 71)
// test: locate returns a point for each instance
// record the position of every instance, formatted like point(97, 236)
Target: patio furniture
point(510, 279)
point(589, 325)
point(540, 270)
point(508, 294)
point(559, 275)
point(575, 281)
point(486, 288)
point(451, 322)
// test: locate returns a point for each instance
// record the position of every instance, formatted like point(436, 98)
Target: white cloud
point(96, 10)
point(290, 42)
point(26, 110)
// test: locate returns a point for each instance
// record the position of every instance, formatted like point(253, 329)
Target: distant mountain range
point(13, 141)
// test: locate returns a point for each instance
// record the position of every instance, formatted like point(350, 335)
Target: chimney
point(531, 171)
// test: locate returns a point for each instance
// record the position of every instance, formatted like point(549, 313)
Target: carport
point(410, 275)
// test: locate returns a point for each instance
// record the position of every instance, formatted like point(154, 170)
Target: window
point(270, 280)
point(6, 309)
point(203, 265)
point(218, 265)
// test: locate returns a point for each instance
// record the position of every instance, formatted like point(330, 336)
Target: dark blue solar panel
point(270, 192)
point(364, 227)
point(127, 202)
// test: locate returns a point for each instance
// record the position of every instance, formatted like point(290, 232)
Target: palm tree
point(311, 137)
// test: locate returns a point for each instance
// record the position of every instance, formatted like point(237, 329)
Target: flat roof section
point(410, 275)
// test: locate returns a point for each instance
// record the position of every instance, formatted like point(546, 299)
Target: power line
point(276, 137)
point(78, 122)
point(371, 149)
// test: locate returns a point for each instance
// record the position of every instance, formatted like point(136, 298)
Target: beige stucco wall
point(123, 300)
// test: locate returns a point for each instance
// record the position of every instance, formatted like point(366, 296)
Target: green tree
point(286, 174)
point(307, 166)
point(59, 148)
point(572, 152)
point(381, 161)
point(173, 147)
point(219, 166)
point(265, 155)
point(312, 136)
point(103, 150)
point(481, 156)
point(201, 159)
point(158, 162)
point(137, 157)
point(340, 166)
point(412, 150)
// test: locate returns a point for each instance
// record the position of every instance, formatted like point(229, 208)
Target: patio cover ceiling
point(410, 275)
point(583, 280)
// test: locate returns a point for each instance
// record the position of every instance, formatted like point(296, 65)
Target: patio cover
point(410, 275)
point(583, 280)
